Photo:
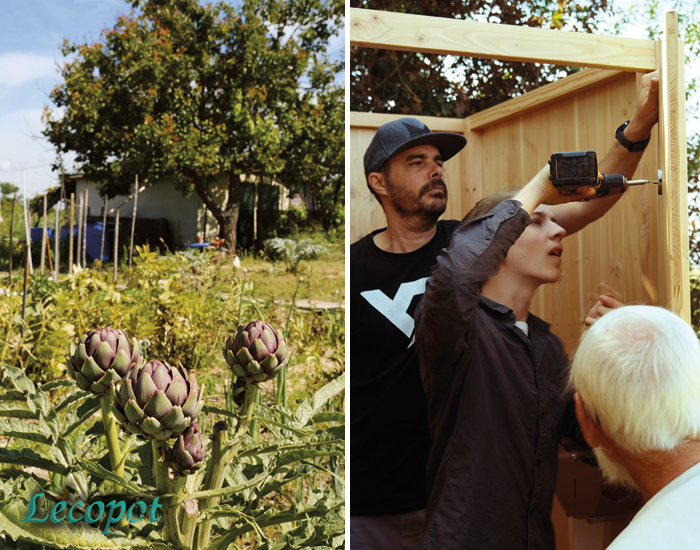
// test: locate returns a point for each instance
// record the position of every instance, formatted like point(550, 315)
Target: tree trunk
point(227, 226)
point(226, 217)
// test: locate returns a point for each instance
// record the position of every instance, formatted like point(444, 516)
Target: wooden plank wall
point(505, 149)
point(621, 248)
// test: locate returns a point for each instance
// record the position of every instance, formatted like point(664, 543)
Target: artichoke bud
point(256, 352)
point(101, 357)
point(188, 452)
point(157, 401)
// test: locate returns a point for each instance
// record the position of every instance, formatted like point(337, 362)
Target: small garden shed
point(181, 219)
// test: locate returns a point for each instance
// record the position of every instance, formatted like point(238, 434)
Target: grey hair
point(638, 372)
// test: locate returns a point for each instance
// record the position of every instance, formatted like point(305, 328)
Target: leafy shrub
point(184, 304)
point(291, 221)
point(292, 252)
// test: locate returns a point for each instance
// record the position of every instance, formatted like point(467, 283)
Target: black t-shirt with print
point(388, 426)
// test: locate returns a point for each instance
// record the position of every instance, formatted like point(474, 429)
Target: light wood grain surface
point(624, 248)
point(440, 35)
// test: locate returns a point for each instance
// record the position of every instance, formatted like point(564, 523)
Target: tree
point(319, 172)
point(437, 85)
point(7, 189)
point(197, 92)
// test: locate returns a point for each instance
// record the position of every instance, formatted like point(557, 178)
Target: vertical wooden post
point(48, 249)
point(133, 220)
point(255, 214)
point(104, 229)
point(27, 257)
point(85, 215)
point(44, 236)
point(674, 201)
point(58, 238)
point(58, 228)
point(27, 218)
point(12, 234)
point(70, 234)
point(79, 219)
point(116, 245)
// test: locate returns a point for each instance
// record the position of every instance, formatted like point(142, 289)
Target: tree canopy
point(435, 85)
point(7, 189)
point(177, 89)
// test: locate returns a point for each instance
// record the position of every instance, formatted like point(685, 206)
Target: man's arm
point(575, 216)
point(448, 308)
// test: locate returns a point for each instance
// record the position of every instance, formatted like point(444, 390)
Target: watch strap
point(631, 146)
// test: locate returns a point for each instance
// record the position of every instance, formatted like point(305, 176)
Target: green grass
point(323, 279)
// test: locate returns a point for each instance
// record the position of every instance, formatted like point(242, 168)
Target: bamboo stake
point(70, 235)
point(255, 216)
point(116, 245)
point(27, 254)
point(57, 241)
point(58, 236)
point(12, 233)
point(104, 229)
point(141, 190)
point(133, 220)
point(48, 249)
point(85, 229)
point(79, 255)
point(44, 236)
point(26, 224)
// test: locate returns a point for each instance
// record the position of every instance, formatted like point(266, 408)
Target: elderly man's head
point(637, 374)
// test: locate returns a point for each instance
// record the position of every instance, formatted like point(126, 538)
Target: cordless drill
point(575, 169)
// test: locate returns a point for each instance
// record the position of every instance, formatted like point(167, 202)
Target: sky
point(31, 34)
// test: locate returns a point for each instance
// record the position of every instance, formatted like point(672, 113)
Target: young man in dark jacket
point(494, 377)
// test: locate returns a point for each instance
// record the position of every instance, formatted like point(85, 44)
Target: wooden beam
point(473, 187)
point(551, 93)
point(675, 176)
point(440, 35)
point(375, 120)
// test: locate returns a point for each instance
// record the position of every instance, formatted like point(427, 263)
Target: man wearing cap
point(388, 271)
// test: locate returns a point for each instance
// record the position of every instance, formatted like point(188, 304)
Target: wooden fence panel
point(506, 152)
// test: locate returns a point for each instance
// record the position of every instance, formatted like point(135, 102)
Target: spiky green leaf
point(312, 406)
point(32, 459)
point(95, 469)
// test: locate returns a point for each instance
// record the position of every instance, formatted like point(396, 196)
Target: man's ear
point(376, 181)
point(592, 432)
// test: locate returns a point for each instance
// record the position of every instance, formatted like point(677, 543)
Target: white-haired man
point(637, 379)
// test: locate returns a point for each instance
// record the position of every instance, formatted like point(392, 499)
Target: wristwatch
point(632, 147)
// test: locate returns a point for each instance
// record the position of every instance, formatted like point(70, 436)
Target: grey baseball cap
point(397, 136)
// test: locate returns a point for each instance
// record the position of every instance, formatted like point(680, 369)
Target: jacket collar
point(505, 314)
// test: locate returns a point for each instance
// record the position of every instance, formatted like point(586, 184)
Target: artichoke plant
point(256, 352)
point(157, 401)
point(102, 356)
point(188, 452)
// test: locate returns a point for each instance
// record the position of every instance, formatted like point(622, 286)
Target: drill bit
point(641, 182)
